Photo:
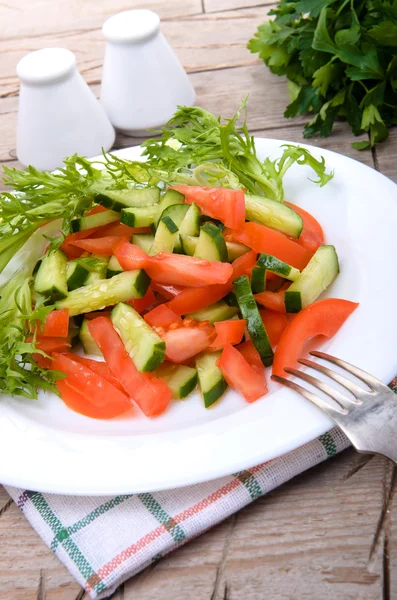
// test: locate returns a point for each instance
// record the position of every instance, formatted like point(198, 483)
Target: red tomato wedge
point(141, 304)
point(97, 390)
point(225, 205)
point(173, 268)
point(228, 332)
point(240, 375)
point(324, 317)
point(162, 316)
point(80, 403)
point(273, 300)
point(56, 324)
point(152, 395)
point(97, 313)
point(105, 245)
point(252, 356)
point(118, 229)
point(185, 342)
point(263, 239)
point(312, 235)
point(50, 344)
point(98, 367)
point(71, 251)
point(97, 209)
point(166, 291)
point(192, 299)
point(275, 323)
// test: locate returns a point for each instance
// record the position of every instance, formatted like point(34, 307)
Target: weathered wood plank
point(385, 155)
point(224, 5)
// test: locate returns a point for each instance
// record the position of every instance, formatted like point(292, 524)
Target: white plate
point(48, 448)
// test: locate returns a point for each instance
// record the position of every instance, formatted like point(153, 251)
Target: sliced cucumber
point(191, 221)
point(250, 312)
point(273, 264)
point(119, 199)
point(177, 213)
point(50, 280)
point(276, 215)
point(180, 379)
point(98, 268)
point(87, 340)
point(188, 244)
point(76, 274)
point(220, 311)
point(211, 381)
point(96, 220)
point(139, 216)
point(258, 280)
point(143, 240)
point(165, 237)
point(234, 250)
point(170, 197)
point(318, 274)
point(211, 244)
point(106, 292)
point(114, 267)
point(145, 347)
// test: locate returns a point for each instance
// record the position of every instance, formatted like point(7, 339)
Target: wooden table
point(331, 532)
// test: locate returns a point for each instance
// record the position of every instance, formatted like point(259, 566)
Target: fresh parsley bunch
point(340, 58)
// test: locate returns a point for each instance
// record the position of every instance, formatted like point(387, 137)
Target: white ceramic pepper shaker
point(58, 113)
point(142, 82)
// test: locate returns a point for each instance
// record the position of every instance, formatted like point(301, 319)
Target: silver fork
point(369, 421)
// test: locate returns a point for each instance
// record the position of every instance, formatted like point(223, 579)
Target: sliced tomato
point(240, 375)
point(275, 322)
point(263, 239)
point(97, 390)
point(251, 355)
point(118, 229)
point(80, 403)
point(312, 235)
point(228, 332)
point(185, 342)
point(50, 344)
point(97, 313)
point(151, 394)
point(97, 209)
point(56, 324)
point(141, 304)
point(105, 246)
point(225, 205)
point(162, 316)
point(193, 299)
point(71, 251)
point(98, 367)
point(174, 269)
point(324, 317)
point(166, 291)
point(273, 300)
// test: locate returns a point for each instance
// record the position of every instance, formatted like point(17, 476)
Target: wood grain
point(311, 538)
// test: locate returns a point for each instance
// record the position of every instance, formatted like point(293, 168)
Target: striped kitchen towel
point(104, 541)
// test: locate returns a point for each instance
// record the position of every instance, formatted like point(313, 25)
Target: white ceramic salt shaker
point(58, 113)
point(142, 82)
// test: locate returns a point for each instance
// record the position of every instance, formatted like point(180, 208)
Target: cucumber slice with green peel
point(188, 244)
point(234, 250)
point(271, 213)
point(220, 311)
point(96, 220)
point(166, 236)
point(318, 274)
point(177, 213)
point(106, 292)
point(180, 379)
point(50, 280)
point(250, 312)
point(143, 240)
point(97, 266)
point(88, 342)
point(258, 280)
point(134, 197)
point(231, 299)
point(76, 274)
point(139, 216)
point(211, 244)
point(191, 222)
point(114, 267)
point(211, 381)
point(274, 265)
point(145, 347)
point(170, 197)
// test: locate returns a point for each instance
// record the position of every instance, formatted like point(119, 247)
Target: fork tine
point(355, 389)
point(339, 398)
point(331, 411)
point(371, 381)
